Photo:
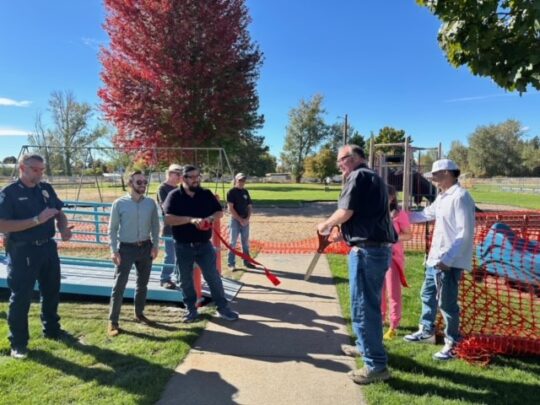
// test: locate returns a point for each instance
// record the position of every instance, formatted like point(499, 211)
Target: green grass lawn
point(284, 194)
point(486, 194)
point(93, 368)
point(417, 379)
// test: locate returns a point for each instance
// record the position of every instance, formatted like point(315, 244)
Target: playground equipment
point(97, 173)
point(401, 170)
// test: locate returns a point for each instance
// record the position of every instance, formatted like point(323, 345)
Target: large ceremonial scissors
point(324, 242)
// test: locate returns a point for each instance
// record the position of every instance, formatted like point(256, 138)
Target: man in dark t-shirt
point(240, 206)
point(174, 177)
point(191, 210)
point(364, 216)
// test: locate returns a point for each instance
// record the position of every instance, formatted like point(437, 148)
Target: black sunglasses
point(141, 182)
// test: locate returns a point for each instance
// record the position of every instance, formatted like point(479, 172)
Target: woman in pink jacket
point(395, 276)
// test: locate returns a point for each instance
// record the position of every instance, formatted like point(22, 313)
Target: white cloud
point(476, 98)
point(8, 102)
point(92, 43)
point(13, 132)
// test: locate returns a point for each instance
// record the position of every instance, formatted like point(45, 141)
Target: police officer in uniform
point(28, 211)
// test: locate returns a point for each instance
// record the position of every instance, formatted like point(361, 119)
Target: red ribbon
point(273, 279)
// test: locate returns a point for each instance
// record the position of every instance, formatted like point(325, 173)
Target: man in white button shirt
point(450, 253)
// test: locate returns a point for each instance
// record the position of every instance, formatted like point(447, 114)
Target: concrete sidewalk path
point(284, 349)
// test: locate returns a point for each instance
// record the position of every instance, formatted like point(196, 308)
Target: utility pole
point(345, 127)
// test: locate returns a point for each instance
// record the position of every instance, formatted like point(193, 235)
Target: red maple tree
point(179, 72)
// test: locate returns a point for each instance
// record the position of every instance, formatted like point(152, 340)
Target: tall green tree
point(495, 150)
point(390, 135)
point(531, 156)
point(335, 137)
point(459, 153)
point(251, 156)
point(306, 130)
point(9, 160)
point(70, 131)
point(426, 159)
point(495, 38)
point(358, 139)
point(321, 165)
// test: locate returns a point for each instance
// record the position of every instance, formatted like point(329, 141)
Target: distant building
point(277, 178)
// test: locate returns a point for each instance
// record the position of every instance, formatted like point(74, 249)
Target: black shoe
point(191, 316)
point(143, 319)
point(250, 265)
point(60, 335)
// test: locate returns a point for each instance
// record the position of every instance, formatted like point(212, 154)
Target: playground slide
point(502, 253)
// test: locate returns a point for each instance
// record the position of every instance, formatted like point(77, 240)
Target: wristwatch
point(36, 220)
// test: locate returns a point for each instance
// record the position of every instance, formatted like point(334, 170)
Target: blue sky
point(378, 62)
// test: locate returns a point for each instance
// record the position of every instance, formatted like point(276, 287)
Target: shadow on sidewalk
point(287, 332)
point(256, 288)
point(200, 387)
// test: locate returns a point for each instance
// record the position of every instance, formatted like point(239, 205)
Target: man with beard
point(191, 210)
point(28, 210)
point(134, 239)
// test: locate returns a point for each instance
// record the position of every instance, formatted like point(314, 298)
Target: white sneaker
point(421, 336)
point(448, 352)
point(19, 353)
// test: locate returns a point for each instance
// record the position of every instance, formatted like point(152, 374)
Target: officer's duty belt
point(39, 242)
point(138, 244)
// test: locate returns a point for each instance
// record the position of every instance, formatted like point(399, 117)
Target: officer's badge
point(2, 196)
point(45, 194)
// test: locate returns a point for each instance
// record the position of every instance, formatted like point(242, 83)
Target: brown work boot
point(365, 376)
point(143, 319)
point(113, 329)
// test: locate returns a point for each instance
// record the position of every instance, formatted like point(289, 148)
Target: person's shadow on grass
point(132, 374)
point(445, 383)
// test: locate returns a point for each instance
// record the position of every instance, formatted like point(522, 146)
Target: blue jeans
point(204, 255)
point(449, 284)
point(367, 269)
point(169, 261)
point(243, 231)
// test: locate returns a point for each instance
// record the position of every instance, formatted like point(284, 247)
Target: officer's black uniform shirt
point(240, 199)
point(201, 205)
point(20, 202)
point(366, 194)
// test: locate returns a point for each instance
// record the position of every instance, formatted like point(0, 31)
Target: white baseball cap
point(175, 168)
point(442, 164)
point(240, 176)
